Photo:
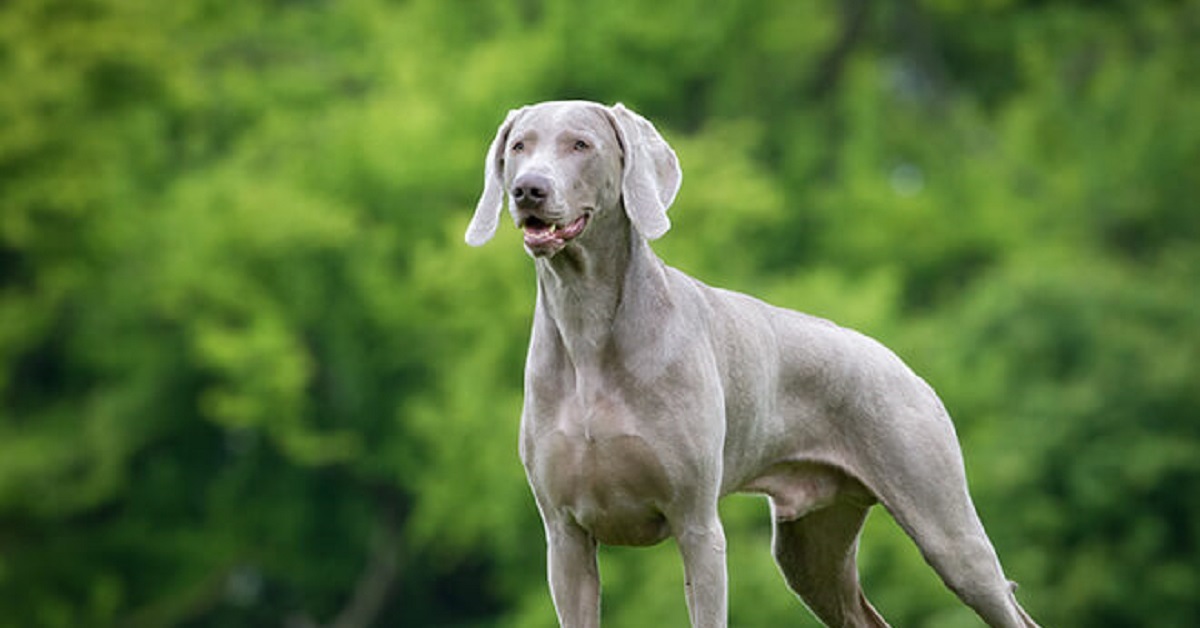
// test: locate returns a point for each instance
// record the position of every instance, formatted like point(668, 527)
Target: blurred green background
point(251, 376)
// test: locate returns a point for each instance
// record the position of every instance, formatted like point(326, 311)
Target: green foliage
point(250, 375)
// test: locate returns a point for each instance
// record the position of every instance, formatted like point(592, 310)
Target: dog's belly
point(613, 486)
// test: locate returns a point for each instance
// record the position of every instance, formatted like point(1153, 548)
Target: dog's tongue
point(538, 233)
point(575, 228)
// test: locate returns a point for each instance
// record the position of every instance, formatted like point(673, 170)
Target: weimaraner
point(649, 395)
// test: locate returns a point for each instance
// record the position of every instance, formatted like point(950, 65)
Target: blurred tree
point(249, 374)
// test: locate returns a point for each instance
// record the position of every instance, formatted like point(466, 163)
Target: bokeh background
point(251, 376)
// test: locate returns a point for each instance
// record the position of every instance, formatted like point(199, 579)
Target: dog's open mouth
point(543, 237)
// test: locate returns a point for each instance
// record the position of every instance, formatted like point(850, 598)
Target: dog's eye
point(582, 145)
point(518, 147)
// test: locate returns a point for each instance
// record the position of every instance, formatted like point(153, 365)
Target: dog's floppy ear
point(651, 175)
point(491, 202)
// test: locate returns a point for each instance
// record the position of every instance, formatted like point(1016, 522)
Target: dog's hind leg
point(816, 554)
point(922, 482)
point(951, 538)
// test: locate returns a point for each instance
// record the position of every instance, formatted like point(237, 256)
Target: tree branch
point(829, 68)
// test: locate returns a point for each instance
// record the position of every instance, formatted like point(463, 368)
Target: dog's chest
point(594, 462)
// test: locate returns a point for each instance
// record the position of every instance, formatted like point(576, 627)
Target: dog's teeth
point(553, 228)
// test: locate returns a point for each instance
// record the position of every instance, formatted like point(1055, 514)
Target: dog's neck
point(586, 288)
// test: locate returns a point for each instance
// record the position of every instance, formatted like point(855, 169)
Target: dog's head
point(561, 163)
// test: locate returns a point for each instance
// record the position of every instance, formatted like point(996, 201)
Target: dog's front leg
point(574, 574)
point(702, 546)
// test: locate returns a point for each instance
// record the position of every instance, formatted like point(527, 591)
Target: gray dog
point(649, 395)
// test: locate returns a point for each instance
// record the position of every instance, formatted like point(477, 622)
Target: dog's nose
point(530, 190)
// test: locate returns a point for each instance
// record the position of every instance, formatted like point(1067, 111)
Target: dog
point(650, 395)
